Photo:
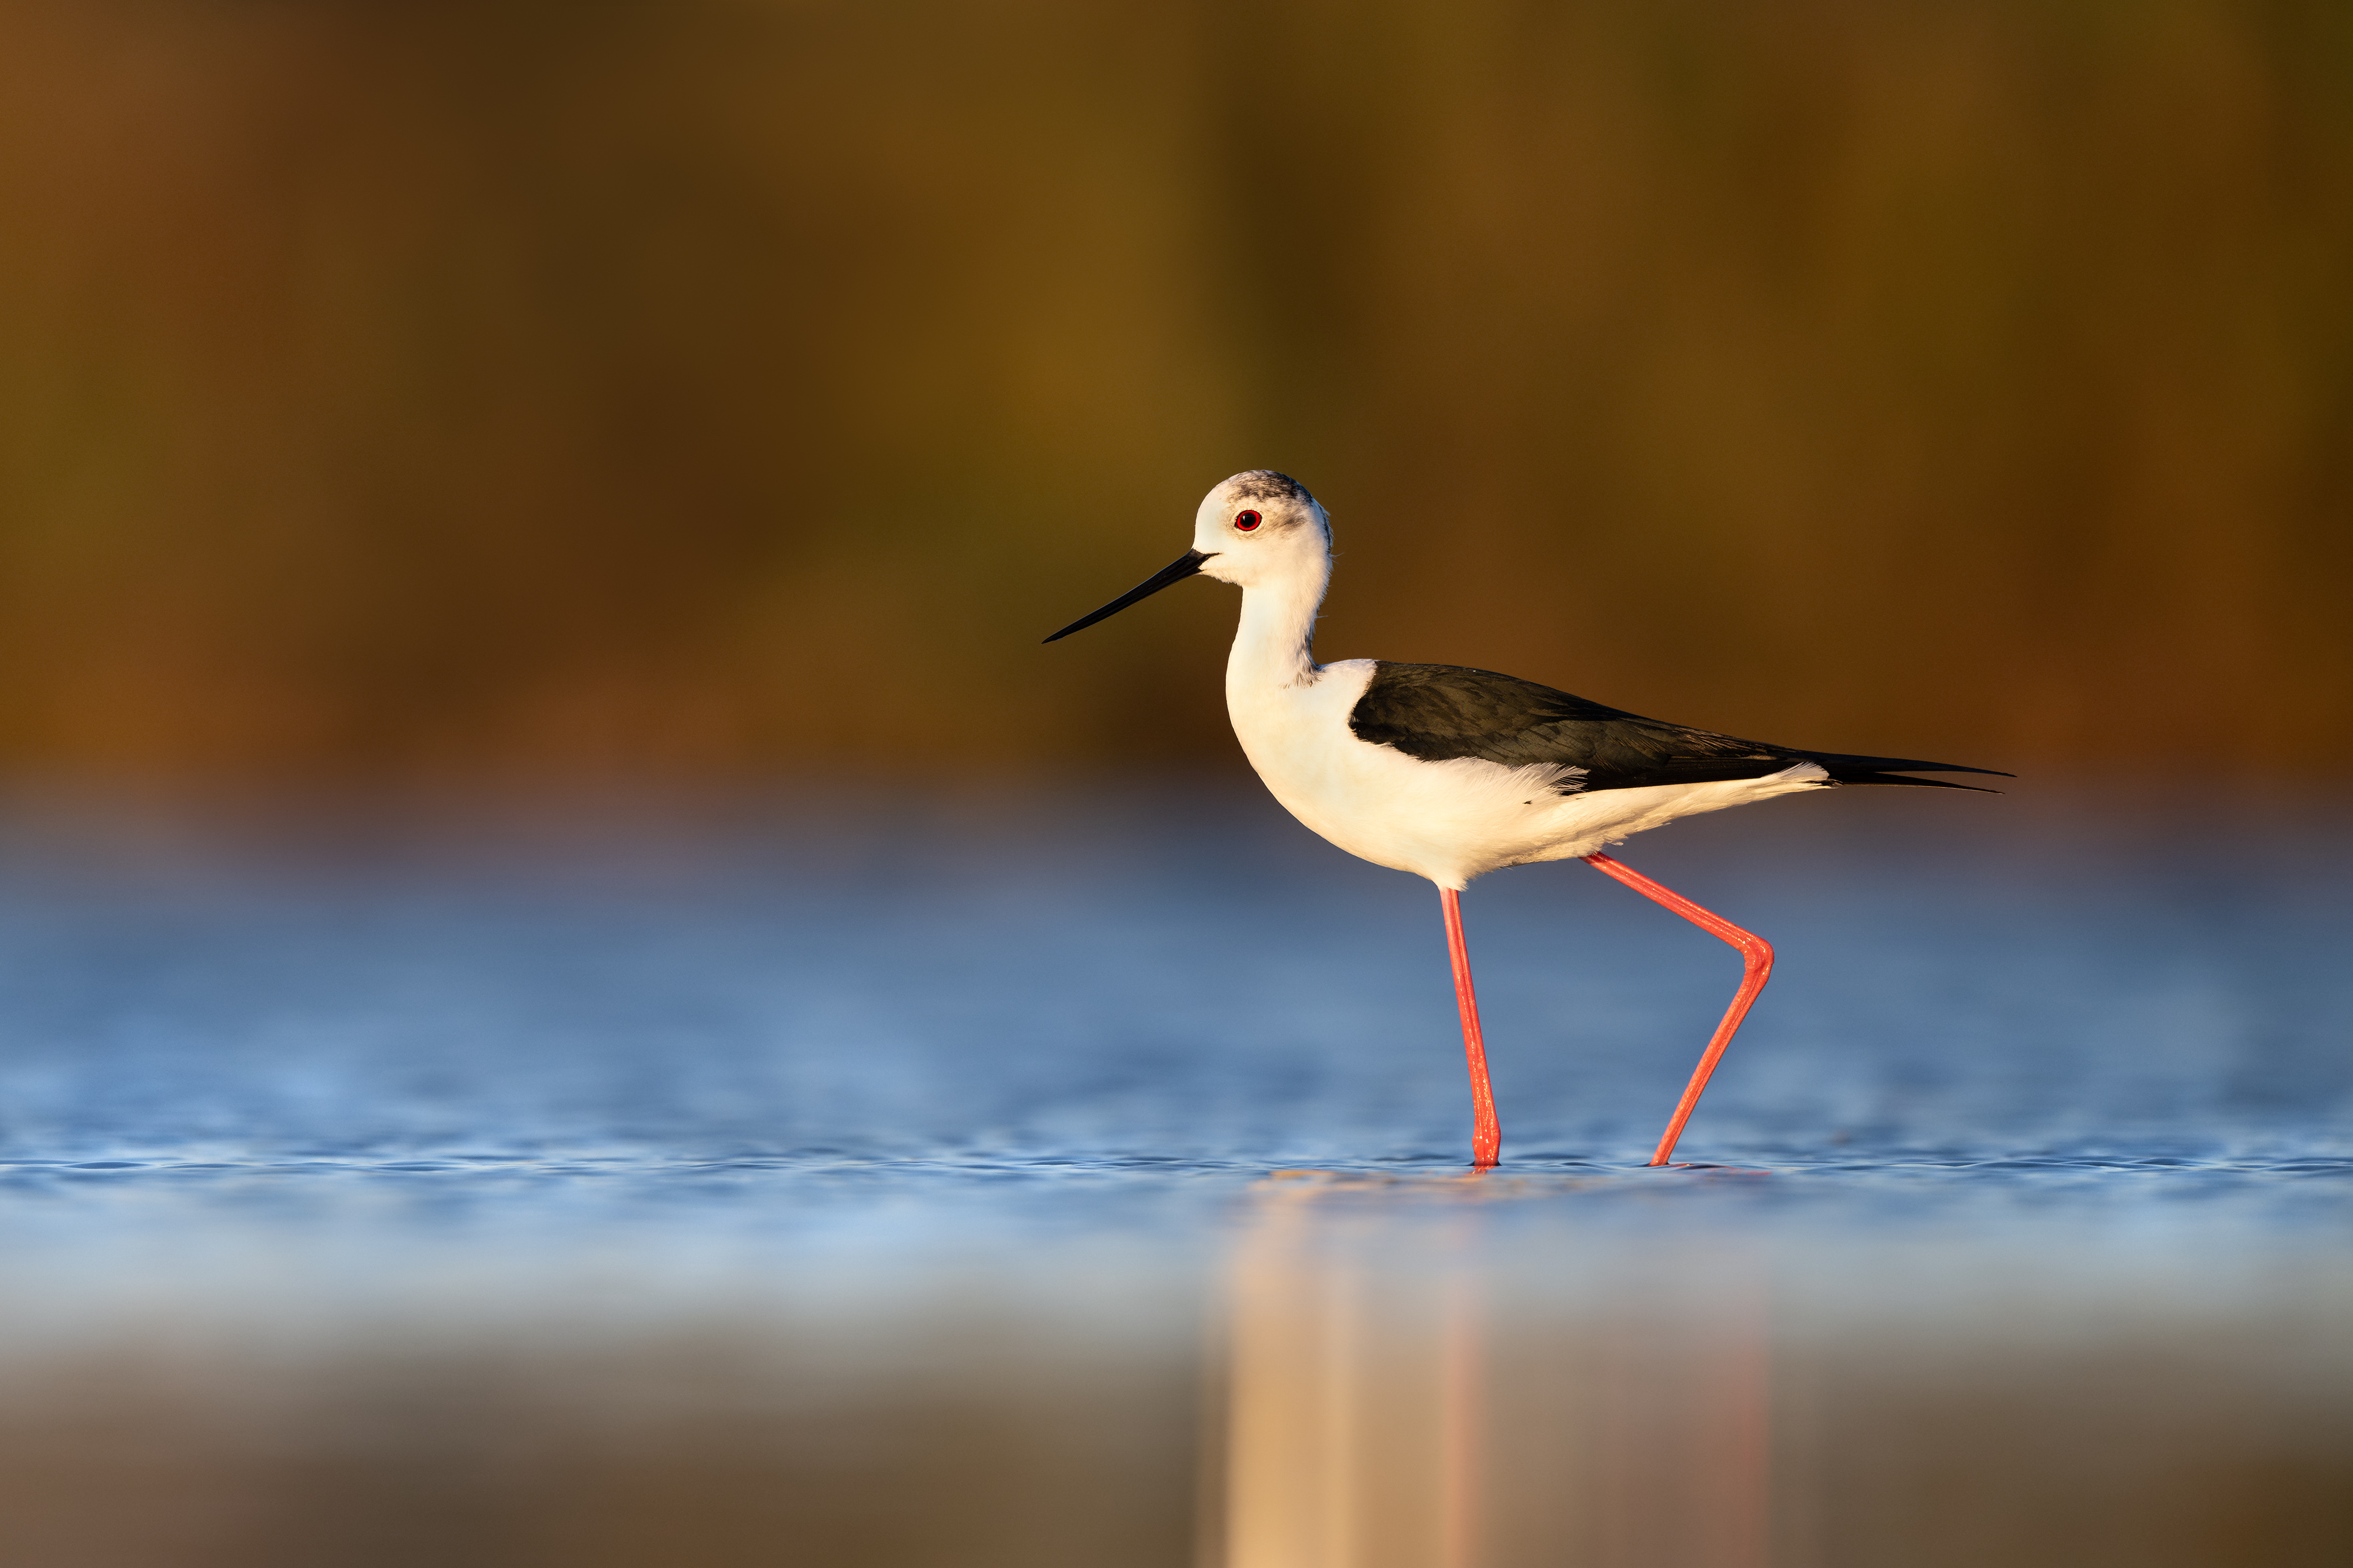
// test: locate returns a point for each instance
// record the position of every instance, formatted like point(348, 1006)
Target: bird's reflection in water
point(1386, 1409)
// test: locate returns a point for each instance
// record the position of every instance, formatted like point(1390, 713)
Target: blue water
point(769, 1001)
point(864, 1099)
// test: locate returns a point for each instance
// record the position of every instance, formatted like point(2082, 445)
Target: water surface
point(1079, 1180)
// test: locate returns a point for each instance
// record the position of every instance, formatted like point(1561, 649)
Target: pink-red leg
point(1755, 969)
point(1486, 1133)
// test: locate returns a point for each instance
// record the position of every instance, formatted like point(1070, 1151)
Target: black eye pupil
point(1246, 520)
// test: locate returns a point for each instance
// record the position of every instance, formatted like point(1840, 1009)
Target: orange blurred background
point(730, 388)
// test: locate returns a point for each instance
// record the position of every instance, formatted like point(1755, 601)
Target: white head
point(1258, 529)
point(1261, 527)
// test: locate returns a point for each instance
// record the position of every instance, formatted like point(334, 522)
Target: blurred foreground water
point(1077, 1180)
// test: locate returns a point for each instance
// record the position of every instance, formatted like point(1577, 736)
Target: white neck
point(1271, 647)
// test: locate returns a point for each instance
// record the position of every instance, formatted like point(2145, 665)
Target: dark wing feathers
point(1438, 711)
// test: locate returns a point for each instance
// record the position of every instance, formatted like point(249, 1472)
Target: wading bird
point(1450, 773)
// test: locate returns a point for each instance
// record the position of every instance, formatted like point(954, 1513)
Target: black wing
point(1438, 711)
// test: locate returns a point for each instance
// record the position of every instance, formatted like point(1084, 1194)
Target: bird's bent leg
point(1755, 966)
point(1486, 1133)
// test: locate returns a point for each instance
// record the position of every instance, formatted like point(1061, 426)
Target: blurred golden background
point(708, 387)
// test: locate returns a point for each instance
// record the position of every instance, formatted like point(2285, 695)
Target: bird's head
point(1255, 530)
point(1259, 526)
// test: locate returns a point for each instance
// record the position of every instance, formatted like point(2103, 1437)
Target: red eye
point(1246, 520)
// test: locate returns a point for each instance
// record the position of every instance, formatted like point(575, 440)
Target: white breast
point(1453, 820)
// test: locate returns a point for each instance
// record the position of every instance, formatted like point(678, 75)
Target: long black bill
point(1177, 571)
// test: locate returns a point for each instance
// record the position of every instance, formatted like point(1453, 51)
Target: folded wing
point(1439, 712)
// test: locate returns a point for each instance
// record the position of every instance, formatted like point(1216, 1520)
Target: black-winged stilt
point(1450, 773)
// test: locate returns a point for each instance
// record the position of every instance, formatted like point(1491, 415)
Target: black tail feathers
point(1861, 776)
point(1844, 769)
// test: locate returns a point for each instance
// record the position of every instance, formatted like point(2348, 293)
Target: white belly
point(1447, 821)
